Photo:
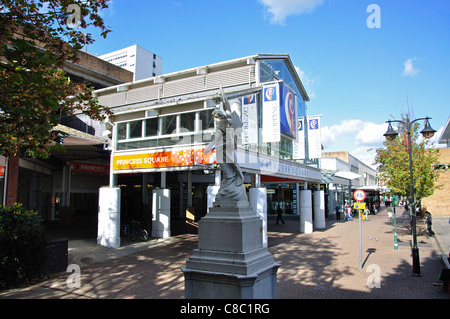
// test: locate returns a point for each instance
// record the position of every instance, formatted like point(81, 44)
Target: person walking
point(429, 222)
point(280, 215)
point(338, 213)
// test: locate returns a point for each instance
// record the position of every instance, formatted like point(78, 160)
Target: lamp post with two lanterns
point(390, 135)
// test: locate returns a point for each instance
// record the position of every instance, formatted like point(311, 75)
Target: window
point(136, 129)
point(168, 124)
point(187, 122)
point(122, 131)
point(151, 127)
point(207, 120)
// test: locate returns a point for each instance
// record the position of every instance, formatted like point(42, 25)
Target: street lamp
point(390, 135)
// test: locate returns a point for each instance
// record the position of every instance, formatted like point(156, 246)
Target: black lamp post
point(390, 135)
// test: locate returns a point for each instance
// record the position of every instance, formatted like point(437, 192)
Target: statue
point(228, 123)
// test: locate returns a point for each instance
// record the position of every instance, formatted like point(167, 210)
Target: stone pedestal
point(231, 261)
point(306, 220)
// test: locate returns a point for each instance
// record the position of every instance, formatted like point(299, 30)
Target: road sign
point(359, 205)
point(359, 195)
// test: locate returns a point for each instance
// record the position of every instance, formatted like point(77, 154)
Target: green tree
point(393, 164)
point(36, 38)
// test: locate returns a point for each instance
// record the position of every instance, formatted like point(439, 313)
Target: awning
point(347, 175)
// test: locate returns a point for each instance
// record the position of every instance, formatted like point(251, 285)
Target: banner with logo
point(271, 113)
point(287, 110)
point(314, 137)
point(299, 144)
point(249, 120)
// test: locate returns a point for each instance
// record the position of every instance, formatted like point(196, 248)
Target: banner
point(314, 137)
point(271, 114)
point(287, 110)
point(163, 159)
point(299, 144)
point(249, 120)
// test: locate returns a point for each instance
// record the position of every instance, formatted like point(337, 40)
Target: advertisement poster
point(314, 138)
point(271, 113)
point(249, 120)
point(287, 110)
point(299, 144)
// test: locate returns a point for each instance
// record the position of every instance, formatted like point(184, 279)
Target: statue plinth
point(231, 261)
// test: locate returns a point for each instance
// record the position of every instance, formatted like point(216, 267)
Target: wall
point(438, 204)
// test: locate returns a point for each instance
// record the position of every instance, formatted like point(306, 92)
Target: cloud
point(339, 131)
point(309, 81)
point(409, 69)
point(371, 135)
point(280, 9)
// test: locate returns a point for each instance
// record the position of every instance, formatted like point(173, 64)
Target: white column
point(319, 209)
point(108, 233)
point(258, 200)
point(161, 213)
point(306, 222)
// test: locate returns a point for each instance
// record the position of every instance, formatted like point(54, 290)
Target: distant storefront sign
point(92, 168)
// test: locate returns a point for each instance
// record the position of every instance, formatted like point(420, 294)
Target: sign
point(359, 205)
point(271, 114)
point(299, 144)
point(163, 159)
point(94, 168)
point(249, 120)
point(359, 195)
point(2, 170)
point(287, 110)
point(314, 137)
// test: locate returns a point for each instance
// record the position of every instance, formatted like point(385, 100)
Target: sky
point(362, 62)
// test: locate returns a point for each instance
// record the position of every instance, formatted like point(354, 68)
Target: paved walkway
point(321, 265)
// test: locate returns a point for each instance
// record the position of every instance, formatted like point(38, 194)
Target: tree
point(36, 38)
point(393, 164)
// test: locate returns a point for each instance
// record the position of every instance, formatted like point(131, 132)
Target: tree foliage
point(394, 169)
point(35, 42)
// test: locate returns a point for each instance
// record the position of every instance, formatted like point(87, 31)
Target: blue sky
point(356, 76)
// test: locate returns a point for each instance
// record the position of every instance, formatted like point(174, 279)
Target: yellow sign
point(359, 205)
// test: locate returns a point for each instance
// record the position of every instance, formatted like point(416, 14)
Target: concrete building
point(163, 124)
point(345, 174)
point(143, 63)
point(438, 204)
point(65, 186)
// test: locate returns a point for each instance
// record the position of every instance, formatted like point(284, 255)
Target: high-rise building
point(143, 63)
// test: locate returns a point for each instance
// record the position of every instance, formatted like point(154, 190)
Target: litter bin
point(57, 256)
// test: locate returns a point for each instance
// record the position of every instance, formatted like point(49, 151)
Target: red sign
point(359, 195)
point(89, 168)
point(2, 170)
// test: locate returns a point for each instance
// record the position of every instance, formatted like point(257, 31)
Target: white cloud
point(355, 136)
point(371, 135)
point(309, 81)
point(280, 9)
point(409, 69)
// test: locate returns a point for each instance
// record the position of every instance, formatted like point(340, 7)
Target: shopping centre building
point(163, 124)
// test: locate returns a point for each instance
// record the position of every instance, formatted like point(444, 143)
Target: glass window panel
point(151, 127)
point(187, 121)
point(122, 131)
point(168, 124)
point(136, 129)
point(207, 120)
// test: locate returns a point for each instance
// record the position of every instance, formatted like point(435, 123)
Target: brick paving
point(321, 265)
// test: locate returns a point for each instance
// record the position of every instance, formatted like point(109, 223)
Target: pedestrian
point(338, 213)
point(389, 211)
point(348, 213)
point(279, 215)
point(366, 214)
point(429, 222)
